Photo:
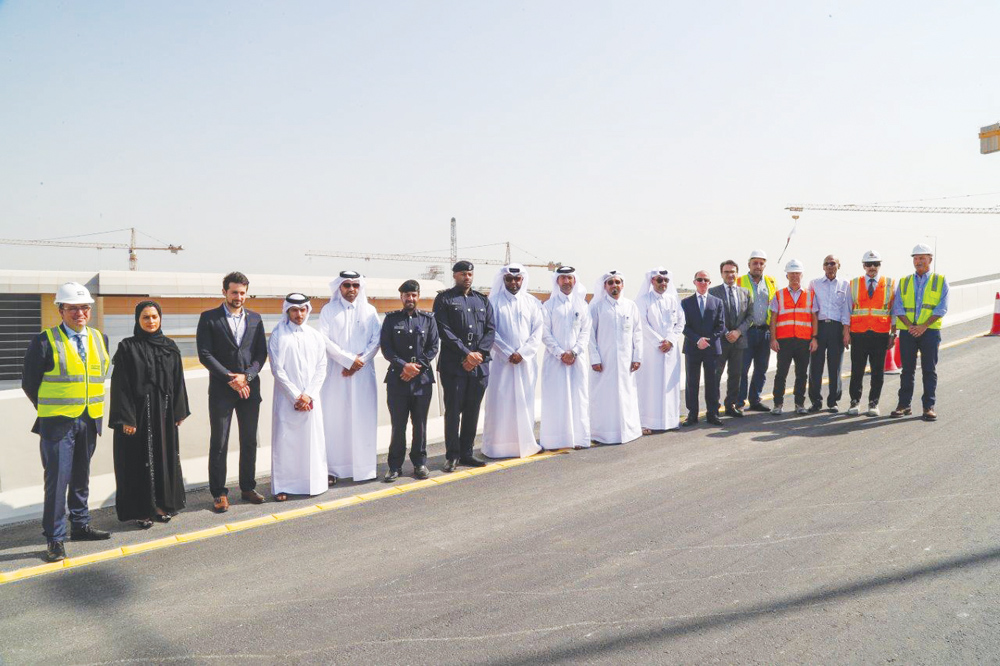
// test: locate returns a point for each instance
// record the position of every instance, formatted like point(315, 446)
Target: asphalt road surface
point(818, 539)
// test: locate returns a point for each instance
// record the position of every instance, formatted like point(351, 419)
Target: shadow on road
point(628, 641)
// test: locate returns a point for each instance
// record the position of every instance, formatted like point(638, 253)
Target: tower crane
point(877, 208)
point(131, 246)
point(433, 271)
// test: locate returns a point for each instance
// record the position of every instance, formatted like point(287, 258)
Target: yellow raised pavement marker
point(297, 513)
point(448, 478)
point(378, 494)
point(252, 522)
point(203, 534)
point(150, 545)
point(38, 570)
point(338, 503)
point(93, 557)
point(416, 485)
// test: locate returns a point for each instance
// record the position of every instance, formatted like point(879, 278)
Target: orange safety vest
point(794, 318)
point(871, 313)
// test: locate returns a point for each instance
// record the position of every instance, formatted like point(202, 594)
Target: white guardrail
point(21, 472)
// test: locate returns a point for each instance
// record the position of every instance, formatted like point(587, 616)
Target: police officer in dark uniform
point(409, 342)
point(465, 324)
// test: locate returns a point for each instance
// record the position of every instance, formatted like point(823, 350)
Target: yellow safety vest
point(748, 283)
point(70, 387)
point(932, 296)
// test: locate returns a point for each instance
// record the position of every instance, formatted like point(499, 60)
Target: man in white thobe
point(615, 355)
point(351, 330)
point(659, 380)
point(509, 427)
point(298, 363)
point(565, 389)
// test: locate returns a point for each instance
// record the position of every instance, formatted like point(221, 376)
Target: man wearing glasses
point(703, 329)
point(831, 312)
point(870, 332)
point(64, 371)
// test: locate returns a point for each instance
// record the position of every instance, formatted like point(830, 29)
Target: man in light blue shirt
point(831, 312)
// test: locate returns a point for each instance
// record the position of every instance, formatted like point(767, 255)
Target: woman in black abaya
point(148, 402)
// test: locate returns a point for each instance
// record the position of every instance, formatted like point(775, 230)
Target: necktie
point(732, 304)
point(871, 287)
point(79, 347)
point(701, 305)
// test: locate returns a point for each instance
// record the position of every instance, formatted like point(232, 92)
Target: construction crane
point(433, 271)
point(131, 246)
point(876, 208)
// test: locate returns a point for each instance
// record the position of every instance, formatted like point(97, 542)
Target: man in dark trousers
point(63, 376)
point(231, 344)
point(409, 341)
point(465, 324)
point(738, 319)
point(703, 328)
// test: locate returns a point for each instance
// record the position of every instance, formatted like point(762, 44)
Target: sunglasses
point(829, 263)
point(872, 264)
point(512, 278)
point(702, 280)
point(351, 285)
point(660, 280)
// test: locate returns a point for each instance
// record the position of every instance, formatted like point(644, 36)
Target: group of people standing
point(609, 371)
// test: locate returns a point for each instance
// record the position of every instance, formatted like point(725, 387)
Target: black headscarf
point(154, 350)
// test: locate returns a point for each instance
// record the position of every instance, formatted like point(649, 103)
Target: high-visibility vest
point(794, 318)
point(69, 387)
point(871, 313)
point(933, 289)
point(747, 282)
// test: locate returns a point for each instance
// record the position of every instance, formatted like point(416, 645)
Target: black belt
point(830, 321)
point(761, 327)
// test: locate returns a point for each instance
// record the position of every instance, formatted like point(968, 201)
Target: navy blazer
point(409, 339)
point(711, 326)
point(217, 351)
point(465, 325)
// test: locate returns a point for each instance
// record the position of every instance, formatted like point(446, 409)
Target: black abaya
point(147, 392)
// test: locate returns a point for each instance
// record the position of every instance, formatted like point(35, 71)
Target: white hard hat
point(794, 266)
point(871, 255)
point(758, 254)
point(73, 293)
point(920, 248)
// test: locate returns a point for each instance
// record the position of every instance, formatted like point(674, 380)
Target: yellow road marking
point(228, 528)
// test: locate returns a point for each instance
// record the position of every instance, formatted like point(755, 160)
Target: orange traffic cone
point(893, 360)
point(996, 316)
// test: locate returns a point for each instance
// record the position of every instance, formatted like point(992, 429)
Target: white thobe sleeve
point(549, 340)
point(333, 350)
point(281, 378)
point(530, 346)
point(637, 336)
point(650, 329)
point(583, 336)
point(319, 374)
point(595, 352)
point(374, 337)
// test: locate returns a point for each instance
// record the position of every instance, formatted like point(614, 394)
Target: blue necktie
point(701, 305)
point(80, 348)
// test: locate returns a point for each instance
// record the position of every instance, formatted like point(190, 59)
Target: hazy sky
point(600, 134)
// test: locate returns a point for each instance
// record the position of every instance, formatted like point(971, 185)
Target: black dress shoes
point(734, 411)
point(450, 465)
point(689, 421)
point(758, 407)
point(55, 552)
point(472, 461)
point(714, 419)
point(391, 476)
point(421, 472)
point(88, 533)
point(815, 408)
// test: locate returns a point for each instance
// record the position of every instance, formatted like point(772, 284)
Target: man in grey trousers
point(738, 318)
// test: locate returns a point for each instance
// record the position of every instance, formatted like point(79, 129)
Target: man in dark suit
point(231, 344)
point(737, 319)
point(465, 323)
point(702, 334)
point(409, 341)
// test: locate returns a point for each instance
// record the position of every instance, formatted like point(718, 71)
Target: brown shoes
point(221, 504)
point(900, 411)
point(930, 415)
point(252, 496)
